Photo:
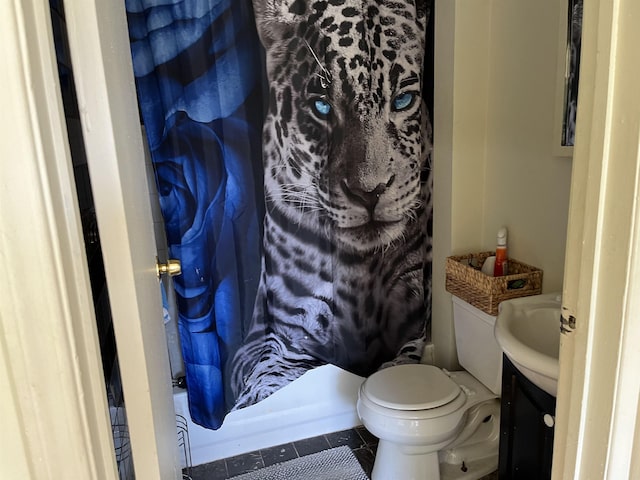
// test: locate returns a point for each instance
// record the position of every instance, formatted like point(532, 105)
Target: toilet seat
point(411, 387)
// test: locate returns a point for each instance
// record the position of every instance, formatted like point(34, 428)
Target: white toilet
point(433, 424)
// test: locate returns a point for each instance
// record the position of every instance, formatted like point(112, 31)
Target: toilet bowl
point(433, 424)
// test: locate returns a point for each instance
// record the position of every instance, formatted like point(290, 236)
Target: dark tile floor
point(362, 443)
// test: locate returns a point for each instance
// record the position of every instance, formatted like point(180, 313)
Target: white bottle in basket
point(488, 266)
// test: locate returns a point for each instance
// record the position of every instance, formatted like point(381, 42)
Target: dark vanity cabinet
point(527, 419)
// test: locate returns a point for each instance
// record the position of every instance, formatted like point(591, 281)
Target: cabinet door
point(526, 428)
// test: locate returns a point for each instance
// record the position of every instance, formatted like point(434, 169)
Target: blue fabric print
point(198, 73)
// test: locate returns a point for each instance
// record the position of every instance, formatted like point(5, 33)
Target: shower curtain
point(291, 145)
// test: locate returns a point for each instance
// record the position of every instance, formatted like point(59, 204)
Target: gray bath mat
point(335, 464)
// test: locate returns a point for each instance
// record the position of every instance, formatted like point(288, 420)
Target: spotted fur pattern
point(347, 234)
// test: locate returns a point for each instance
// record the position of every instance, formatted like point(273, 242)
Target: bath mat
point(334, 464)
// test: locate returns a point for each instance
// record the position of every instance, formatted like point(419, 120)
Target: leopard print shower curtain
point(291, 144)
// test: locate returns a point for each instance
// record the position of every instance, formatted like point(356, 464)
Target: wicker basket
point(484, 292)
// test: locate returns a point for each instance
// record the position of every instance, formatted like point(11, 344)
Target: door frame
point(54, 387)
point(54, 406)
point(597, 412)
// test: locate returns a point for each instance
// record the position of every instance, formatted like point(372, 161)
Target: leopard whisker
point(302, 199)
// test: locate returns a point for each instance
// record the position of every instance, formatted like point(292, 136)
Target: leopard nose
point(366, 198)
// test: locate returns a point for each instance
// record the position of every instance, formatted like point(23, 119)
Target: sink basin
point(528, 331)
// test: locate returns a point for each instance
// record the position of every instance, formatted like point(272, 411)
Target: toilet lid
point(411, 387)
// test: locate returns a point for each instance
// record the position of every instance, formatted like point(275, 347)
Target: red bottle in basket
point(501, 266)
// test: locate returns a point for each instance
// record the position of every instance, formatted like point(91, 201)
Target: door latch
point(567, 325)
point(171, 268)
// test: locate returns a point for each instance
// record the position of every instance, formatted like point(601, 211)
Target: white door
point(55, 397)
point(99, 45)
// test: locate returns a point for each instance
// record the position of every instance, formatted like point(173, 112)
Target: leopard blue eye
point(322, 107)
point(403, 101)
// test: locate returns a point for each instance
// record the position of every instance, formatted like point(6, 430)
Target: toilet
point(433, 424)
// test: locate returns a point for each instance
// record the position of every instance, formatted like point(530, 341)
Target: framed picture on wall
point(568, 76)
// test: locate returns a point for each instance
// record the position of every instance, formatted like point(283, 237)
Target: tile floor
point(362, 443)
point(358, 439)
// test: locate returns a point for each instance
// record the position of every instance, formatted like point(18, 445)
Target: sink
point(528, 331)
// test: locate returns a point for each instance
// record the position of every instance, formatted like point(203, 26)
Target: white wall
point(526, 186)
point(495, 91)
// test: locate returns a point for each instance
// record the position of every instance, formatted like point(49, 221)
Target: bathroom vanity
point(526, 427)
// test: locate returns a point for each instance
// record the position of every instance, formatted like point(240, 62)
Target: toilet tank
point(478, 351)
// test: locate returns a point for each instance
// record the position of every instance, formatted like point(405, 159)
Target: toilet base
point(470, 456)
point(394, 462)
point(474, 454)
point(423, 466)
point(418, 466)
point(474, 470)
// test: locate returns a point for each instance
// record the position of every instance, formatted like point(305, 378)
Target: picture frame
point(568, 76)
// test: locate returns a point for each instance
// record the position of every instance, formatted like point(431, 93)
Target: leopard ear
point(277, 18)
